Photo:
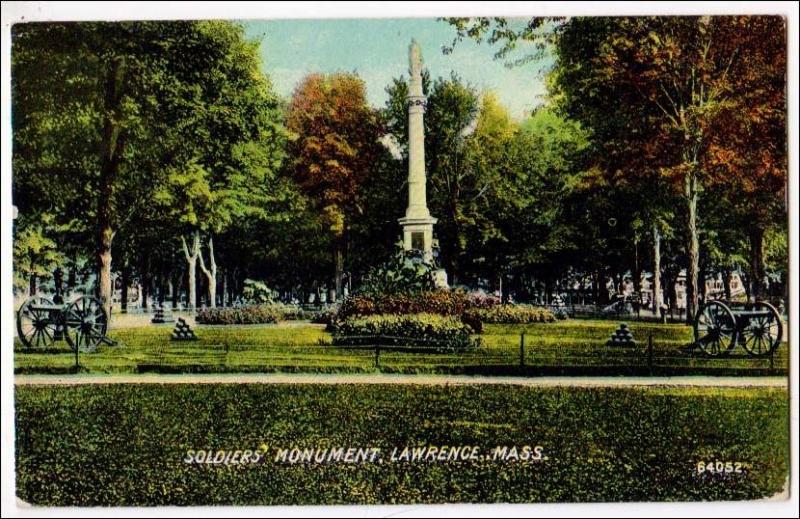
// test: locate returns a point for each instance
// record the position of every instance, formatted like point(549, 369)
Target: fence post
point(772, 360)
point(77, 365)
point(377, 355)
point(650, 353)
point(522, 349)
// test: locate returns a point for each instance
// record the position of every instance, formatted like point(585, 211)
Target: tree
point(683, 76)
point(108, 111)
point(333, 152)
point(747, 156)
point(35, 254)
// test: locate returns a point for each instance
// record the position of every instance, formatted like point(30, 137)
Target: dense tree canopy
point(144, 150)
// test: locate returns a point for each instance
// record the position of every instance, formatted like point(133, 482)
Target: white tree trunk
point(211, 273)
point(657, 298)
point(191, 260)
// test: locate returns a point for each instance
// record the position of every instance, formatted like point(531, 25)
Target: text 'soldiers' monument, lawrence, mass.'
point(417, 223)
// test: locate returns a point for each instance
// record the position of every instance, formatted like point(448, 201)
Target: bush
point(256, 314)
point(509, 314)
point(257, 292)
point(442, 333)
point(406, 272)
point(440, 302)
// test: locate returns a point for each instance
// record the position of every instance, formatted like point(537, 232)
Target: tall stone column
point(418, 222)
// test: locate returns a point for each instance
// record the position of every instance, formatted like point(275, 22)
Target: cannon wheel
point(762, 335)
point(85, 323)
point(35, 329)
point(715, 329)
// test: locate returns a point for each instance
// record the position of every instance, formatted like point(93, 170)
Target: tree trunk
point(176, 288)
point(32, 286)
point(657, 298)
point(225, 288)
point(145, 291)
point(726, 283)
point(126, 279)
point(757, 263)
point(111, 155)
point(338, 261)
point(104, 267)
point(693, 245)
point(191, 261)
point(211, 274)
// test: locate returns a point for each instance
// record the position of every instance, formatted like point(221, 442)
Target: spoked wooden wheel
point(36, 327)
point(85, 323)
point(715, 329)
point(763, 332)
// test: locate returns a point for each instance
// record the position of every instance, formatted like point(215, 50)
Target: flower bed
point(437, 332)
point(440, 302)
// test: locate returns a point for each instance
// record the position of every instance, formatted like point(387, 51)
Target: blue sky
point(377, 49)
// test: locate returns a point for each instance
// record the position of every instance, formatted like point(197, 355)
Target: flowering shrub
point(440, 333)
point(406, 272)
point(440, 302)
point(509, 314)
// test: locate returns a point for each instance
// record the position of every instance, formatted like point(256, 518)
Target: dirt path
point(281, 378)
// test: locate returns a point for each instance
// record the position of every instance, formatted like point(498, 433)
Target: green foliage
point(405, 272)
point(440, 301)
point(257, 292)
point(139, 125)
point(510, 314)
point(255, 314)
point(263, 313)
point(35, 254)
point(428, 331)
point(123, 444)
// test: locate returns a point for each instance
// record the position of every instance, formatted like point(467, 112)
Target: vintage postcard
point(540, 258)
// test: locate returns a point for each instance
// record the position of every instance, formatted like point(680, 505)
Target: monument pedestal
point(418, 234)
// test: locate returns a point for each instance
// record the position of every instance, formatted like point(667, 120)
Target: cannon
point(82, 323)
point(720, 326)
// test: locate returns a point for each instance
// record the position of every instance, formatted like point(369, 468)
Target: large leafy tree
point(681, 79)
point(333, 152)
point(106, 114)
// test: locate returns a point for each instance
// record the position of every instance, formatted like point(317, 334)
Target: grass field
point(129, 444)
point(573, 347)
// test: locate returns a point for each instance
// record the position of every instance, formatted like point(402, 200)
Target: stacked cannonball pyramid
point(622, 337)
point(162, 315)
point(182, 331)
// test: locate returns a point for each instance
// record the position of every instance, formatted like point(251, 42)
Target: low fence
point(392, 354)
point(507, 354)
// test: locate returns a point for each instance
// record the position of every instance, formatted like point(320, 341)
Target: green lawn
point(572, 347)
point(127, 444)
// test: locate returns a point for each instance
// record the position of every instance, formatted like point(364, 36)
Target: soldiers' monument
point(417, 223)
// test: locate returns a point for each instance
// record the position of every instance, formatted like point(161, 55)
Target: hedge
point(255, 314)
point(124, 444)
point(440, 333)
point(440, 302)
point(509, 314)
